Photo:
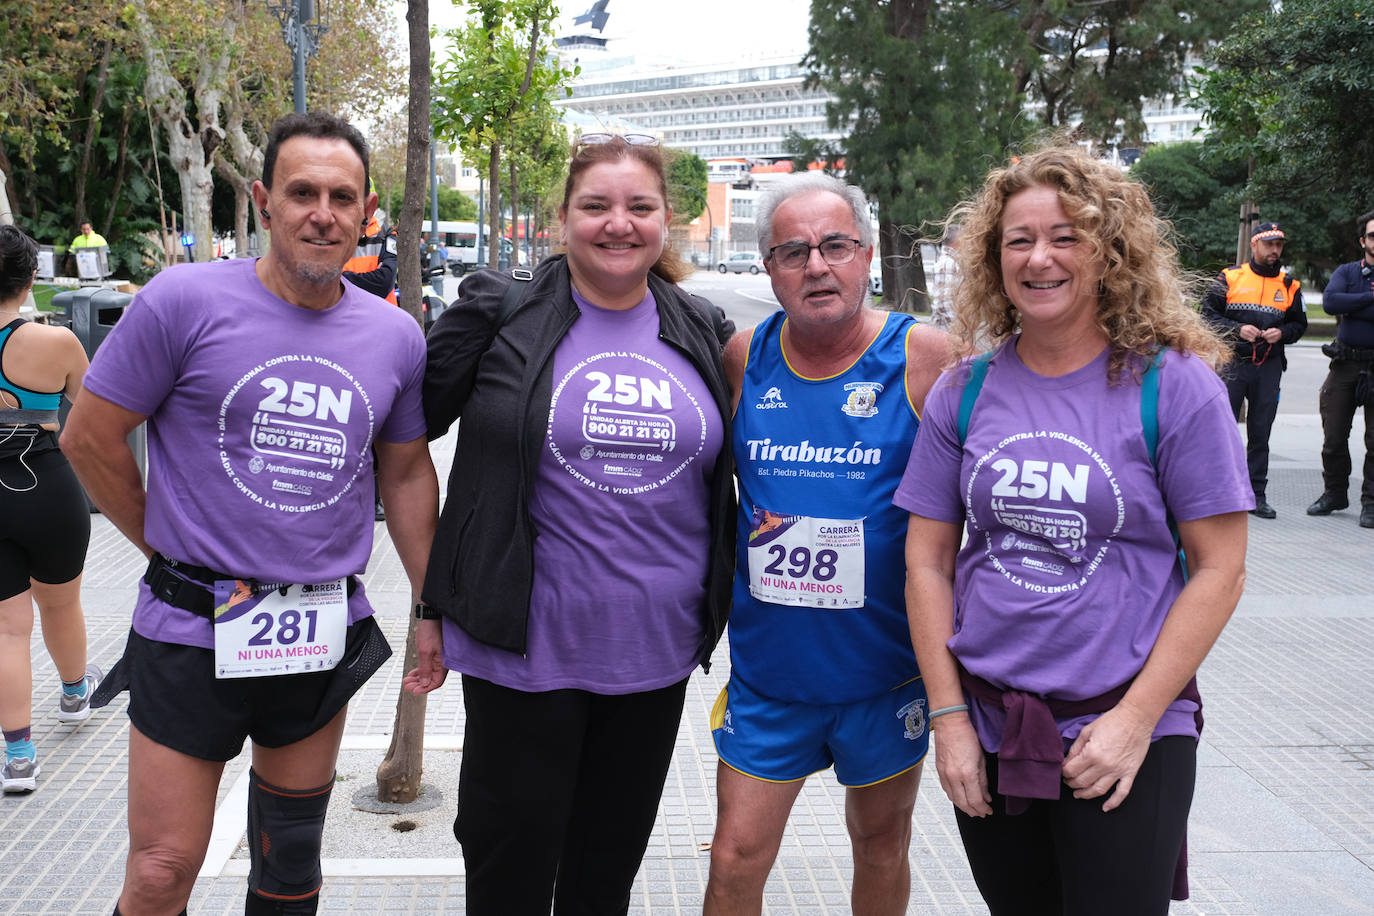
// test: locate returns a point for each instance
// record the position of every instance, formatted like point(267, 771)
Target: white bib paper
point(807, 562)
point(289, 629)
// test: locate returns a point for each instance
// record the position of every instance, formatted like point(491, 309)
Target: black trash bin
point(91, 312)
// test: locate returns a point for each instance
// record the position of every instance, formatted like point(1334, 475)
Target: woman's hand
point(429, 650)
point(1108, 751)
point(959, 761)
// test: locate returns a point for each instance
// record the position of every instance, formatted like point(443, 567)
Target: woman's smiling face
point(1046, 268)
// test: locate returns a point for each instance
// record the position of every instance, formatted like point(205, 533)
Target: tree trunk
point(398, 776)
point(904, 276)
point(191, 144)
point(92, 131)
point(121, 170)
point(514, 217)
point(494, 208)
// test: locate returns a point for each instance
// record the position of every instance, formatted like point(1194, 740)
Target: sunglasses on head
point(597, 139)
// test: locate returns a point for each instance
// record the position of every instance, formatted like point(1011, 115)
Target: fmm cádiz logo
point(770, 400)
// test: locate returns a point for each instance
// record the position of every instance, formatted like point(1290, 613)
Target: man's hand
point(1271, 335)
point(1248, 332)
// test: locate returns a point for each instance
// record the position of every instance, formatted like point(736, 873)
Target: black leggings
point(45, 522)
point(560, 788)
point(1068, 857)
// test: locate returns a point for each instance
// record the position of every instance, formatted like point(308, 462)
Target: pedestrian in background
point(944, 279)
point(45, 523)
point(1059, 643)
point(1258, 307)
point(582, 563)
point(1349, 384)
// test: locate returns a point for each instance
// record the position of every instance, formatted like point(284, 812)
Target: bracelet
point(937, 713)
point(425, 612)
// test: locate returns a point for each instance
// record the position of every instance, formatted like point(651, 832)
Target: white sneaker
point(20, 774)
point(78, 709)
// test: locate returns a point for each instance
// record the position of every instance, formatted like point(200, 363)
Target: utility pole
point(302, 26)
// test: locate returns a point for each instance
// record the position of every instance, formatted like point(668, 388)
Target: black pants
point(1258, 387)
point(1068, 857)
point(558, 794)
point(1338, 407)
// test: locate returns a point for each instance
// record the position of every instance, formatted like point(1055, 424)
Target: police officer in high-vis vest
point(1259, 307)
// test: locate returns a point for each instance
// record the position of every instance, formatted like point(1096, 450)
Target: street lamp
point(301, 29)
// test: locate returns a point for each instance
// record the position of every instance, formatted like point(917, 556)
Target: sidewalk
point(1283, 821)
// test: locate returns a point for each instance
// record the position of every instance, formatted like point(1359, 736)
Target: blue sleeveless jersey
point(820, 618)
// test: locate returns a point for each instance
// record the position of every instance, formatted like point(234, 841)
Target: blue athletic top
point(27, 399)
point(821, 615)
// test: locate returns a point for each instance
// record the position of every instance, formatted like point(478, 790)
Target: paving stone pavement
point(1283, 820)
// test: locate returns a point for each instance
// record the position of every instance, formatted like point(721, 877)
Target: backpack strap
point(978, 370)
point(515, 292)
point(1149, 423)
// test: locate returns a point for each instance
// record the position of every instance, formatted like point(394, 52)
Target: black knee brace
point(285, 830)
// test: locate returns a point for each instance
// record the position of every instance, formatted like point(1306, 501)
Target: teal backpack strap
point(978, 370)
point(1149, 404)
point(1149, 423)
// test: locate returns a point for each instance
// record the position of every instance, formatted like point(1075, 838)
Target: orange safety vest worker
point(373, 264)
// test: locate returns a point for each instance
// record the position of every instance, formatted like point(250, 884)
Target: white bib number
point(807, 562)
point(285, 630)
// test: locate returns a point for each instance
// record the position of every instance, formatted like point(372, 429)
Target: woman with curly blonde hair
point(1059, 644)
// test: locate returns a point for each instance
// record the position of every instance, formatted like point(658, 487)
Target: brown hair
point(1144, 302)
point(669, 265)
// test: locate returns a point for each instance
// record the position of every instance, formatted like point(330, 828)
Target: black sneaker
point(1327, 503)
point(1367, 517)
point(1263, 509)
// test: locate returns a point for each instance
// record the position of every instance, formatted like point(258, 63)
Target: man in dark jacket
point(1350, 383)
point(1259, 308)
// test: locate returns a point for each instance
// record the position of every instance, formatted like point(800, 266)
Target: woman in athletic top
point(1060, 641)
point(45, 522)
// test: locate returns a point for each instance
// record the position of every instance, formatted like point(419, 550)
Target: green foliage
point(493, 93)
point(454, 205)
point(686, 173)
point(1291, 90)
point(1090, 64)
point(1199, 190)
point(806, 150)
point(922, 89)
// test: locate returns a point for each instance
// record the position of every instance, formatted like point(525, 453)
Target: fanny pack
point(192, 588)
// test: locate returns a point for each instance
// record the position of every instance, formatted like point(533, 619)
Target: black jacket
point(481, 567)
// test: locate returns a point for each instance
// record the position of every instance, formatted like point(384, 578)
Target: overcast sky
point(704, 31)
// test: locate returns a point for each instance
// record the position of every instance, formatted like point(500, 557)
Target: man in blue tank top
point(827, 398)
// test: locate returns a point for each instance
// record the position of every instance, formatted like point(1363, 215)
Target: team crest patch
point(913, 715)
point(1278, 295)
point(863, 399)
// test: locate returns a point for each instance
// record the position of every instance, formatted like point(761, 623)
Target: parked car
point(739, 263)
point(875, 277)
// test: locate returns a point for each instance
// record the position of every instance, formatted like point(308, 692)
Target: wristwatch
point(425, 612)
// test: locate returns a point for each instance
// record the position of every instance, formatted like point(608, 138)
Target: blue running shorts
point(867, 741)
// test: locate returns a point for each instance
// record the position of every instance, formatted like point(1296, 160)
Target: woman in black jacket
point(583, 560)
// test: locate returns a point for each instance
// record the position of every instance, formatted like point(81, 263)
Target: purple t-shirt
point(261, 419)
point(1069, 568)
point(620, 502)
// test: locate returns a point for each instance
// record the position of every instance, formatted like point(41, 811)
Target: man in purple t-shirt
point(265, 386)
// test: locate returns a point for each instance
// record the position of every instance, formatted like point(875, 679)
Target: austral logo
point(771, 400)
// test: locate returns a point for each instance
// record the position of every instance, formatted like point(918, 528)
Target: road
point(748, 299)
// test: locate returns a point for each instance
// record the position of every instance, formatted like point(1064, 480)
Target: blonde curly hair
point(1144, 301)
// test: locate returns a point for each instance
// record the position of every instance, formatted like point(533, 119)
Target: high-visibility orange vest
point(1257, 300)
point(368, 255)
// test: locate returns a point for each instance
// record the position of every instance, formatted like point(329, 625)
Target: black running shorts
point(176, 700)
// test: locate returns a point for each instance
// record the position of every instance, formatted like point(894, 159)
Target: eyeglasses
point(794, 255)
point(1370, 236)
point(597, 139)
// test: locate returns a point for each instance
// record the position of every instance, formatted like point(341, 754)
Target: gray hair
point(790, 186)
